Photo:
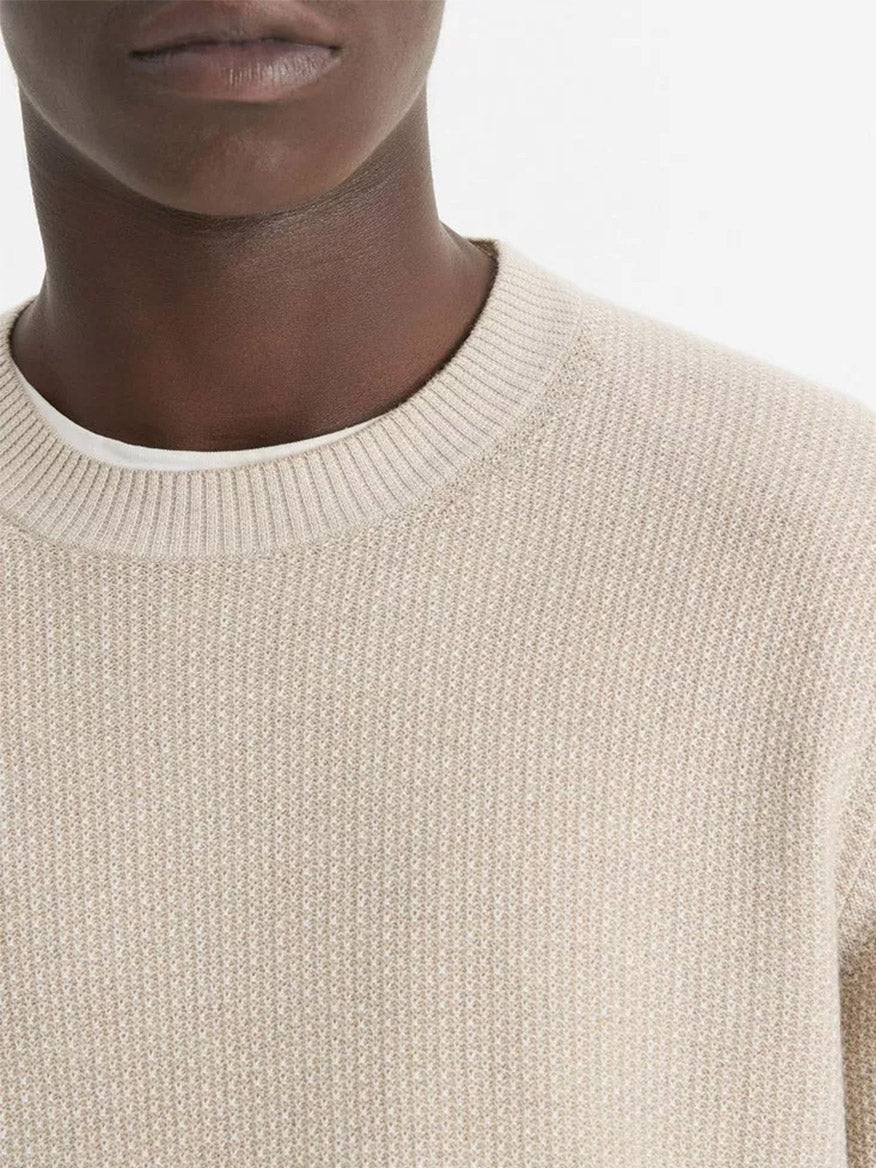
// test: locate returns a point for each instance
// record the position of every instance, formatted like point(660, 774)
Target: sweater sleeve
point(857, 968)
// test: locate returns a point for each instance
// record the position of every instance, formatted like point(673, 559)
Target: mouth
point(233, 50)
point(180, 43)
point(219, 67)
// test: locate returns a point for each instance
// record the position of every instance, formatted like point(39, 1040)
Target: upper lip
point(182, 23)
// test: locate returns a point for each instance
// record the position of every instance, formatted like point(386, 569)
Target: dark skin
point(229, 274)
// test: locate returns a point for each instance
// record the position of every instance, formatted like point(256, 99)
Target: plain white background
point(713, 165)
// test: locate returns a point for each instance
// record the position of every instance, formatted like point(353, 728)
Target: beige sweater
point(494, 787)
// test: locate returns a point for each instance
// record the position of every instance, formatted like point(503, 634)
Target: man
point(436, 703)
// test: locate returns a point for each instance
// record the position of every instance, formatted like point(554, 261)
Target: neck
point(249, 331)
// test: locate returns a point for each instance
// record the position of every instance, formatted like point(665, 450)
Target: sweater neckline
point(63, 495)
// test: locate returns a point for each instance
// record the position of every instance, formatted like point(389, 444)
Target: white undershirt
point(120, 453)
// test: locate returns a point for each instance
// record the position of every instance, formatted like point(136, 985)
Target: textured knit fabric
point(119, 453)
point(494, 787)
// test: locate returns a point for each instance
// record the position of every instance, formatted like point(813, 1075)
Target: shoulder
point(754, 485)
point(721, 421)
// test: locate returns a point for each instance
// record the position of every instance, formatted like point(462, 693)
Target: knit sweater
point(492, 787)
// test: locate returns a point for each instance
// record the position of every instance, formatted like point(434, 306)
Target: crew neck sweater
point(491, 787)
point(103, 448)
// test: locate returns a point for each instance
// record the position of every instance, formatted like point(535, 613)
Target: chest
point(430, 840)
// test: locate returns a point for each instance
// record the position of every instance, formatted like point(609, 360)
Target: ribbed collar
point(500, 369)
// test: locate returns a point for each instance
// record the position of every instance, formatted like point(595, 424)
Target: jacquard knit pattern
point(494, 787)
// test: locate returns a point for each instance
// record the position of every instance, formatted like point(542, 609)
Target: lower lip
point(257, 70)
